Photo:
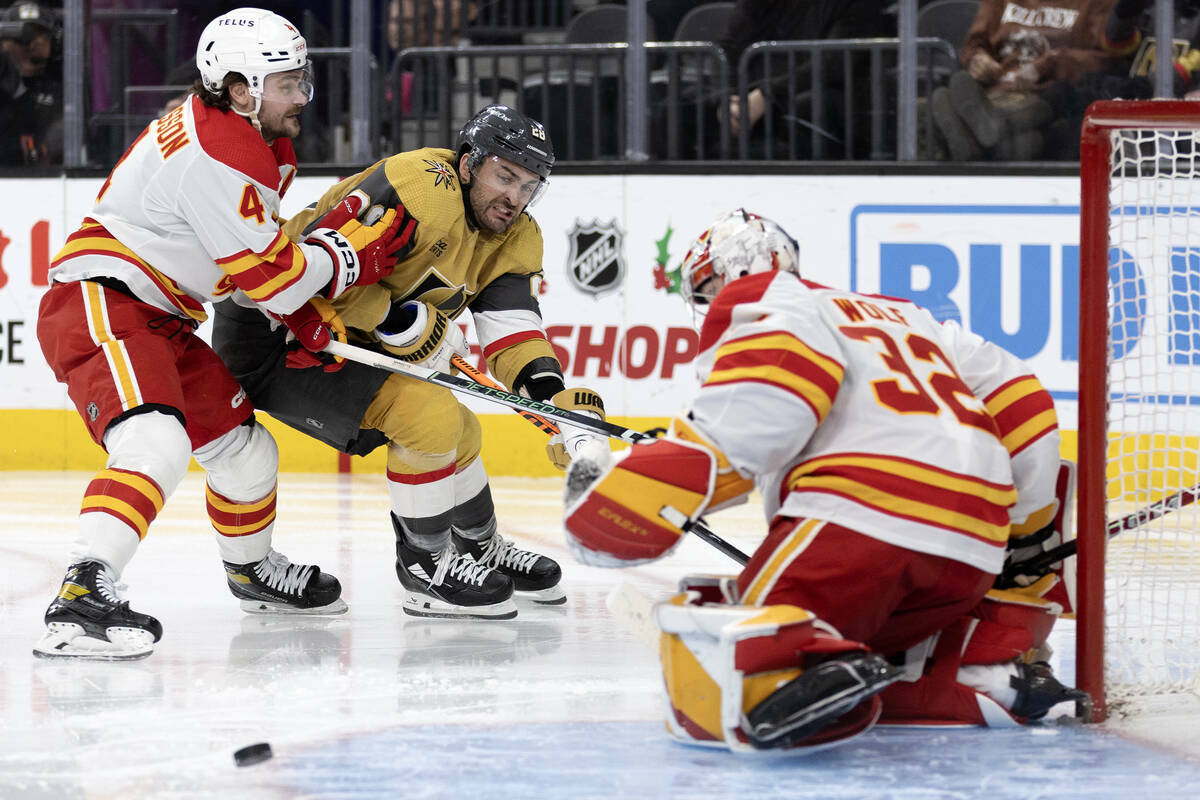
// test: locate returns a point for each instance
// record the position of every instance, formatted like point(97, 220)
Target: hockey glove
point(563, 446)
point(420, 334)
point(312, 326)
point(361, 254)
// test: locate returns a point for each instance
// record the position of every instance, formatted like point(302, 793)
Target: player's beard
point(490, 221)
point(286, 126)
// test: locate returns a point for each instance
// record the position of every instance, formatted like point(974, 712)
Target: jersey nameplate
point(172, 135)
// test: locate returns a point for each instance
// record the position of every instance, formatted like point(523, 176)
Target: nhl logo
point(596, 262)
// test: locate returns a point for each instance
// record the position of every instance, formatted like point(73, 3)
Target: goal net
point(1138, 592)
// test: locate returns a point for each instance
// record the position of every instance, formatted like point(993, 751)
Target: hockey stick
point(668, 513)
point(465, 367)
point(496, 394)
point(1136, 519)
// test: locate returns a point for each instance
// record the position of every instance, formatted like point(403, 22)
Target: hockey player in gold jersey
point(472, 246)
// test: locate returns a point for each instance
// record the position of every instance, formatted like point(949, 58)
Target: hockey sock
point(243, 529)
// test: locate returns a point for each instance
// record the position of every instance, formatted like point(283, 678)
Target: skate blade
point(264, 607)
point(554, 596)
point(418, 606)
point(67, 640)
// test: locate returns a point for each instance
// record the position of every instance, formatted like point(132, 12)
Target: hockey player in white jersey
point(189, 215)
point(894, 455)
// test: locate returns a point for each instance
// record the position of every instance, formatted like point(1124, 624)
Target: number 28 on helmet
point(739, 243)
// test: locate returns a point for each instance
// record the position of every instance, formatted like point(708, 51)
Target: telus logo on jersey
point(596, 258)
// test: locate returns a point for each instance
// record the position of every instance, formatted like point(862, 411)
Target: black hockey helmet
point(506, 132)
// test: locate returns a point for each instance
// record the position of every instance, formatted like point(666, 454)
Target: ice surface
point(559, 702)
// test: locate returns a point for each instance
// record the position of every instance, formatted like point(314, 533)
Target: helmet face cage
point(254, 43)
point(504, 132)
point(737, 244)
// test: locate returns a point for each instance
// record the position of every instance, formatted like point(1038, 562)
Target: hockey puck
point(252, 754)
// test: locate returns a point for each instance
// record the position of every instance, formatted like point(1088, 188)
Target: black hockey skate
point(89, 619)
point(277, 586)
point(450, 584)
point(1038, 691)
point(535, 577)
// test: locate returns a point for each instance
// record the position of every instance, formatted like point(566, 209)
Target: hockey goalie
point(898, 459)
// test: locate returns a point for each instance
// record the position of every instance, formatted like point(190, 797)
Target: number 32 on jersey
point(910, 394)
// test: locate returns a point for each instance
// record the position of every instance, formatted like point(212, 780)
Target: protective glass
point(294, 87)
point(507, 178)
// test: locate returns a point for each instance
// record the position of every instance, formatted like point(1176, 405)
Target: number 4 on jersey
point(252, 205)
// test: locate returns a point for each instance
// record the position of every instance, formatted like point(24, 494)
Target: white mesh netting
point(1152, 581)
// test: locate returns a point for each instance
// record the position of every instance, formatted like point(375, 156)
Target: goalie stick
point(668, 513)
point(1136, 519)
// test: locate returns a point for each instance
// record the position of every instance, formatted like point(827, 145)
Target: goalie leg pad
point(1005, 629)
point(722, 662)
point(1013, 623)
point(618, 520)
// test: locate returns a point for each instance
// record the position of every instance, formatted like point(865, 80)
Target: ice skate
point(1038, 691)
point(450, 584)
point(274, 585)
point(89, 619)
point(535, 577)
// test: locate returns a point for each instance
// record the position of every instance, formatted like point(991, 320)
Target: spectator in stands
point(30, 85)
point(764, 20)
point(1015, 51)
point(1134, 79)
point(1134, 76)
point(421, 23)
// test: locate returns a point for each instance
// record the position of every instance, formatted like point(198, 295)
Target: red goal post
point(1138, 594)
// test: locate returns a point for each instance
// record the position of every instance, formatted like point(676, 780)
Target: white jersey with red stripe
point(853, 408)
point(191, 214)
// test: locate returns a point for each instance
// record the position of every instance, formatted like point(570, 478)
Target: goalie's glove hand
point(564, 445)
point(310, 328)
point(361, 254)
point(420, 334)
point(1022, 552)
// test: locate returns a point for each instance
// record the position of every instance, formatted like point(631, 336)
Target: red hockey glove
point(361, 254)
point(313, 326)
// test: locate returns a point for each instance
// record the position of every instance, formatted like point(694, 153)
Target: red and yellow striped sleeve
point(779, 359)
point(266, 273)
point(1023, 411)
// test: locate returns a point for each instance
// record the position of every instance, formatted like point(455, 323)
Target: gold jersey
point(450, 263)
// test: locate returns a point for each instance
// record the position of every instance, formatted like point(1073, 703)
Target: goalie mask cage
point(1138, 593)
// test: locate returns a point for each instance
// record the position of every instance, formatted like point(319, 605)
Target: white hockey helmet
point(737, 244)
point(255, 43)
